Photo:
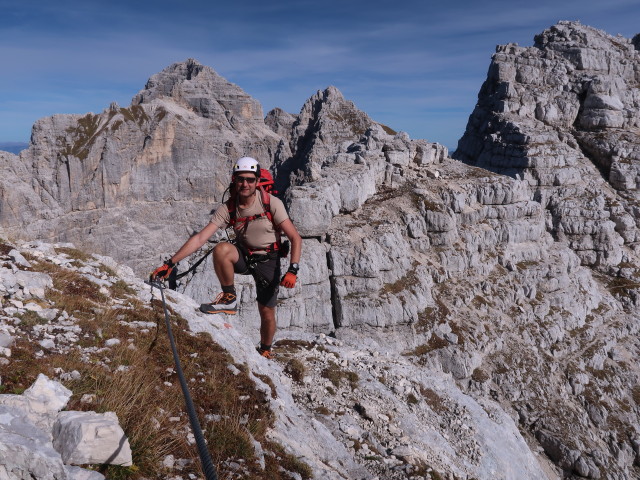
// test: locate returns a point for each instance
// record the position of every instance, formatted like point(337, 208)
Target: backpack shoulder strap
point(266, 203)
point(231, 207)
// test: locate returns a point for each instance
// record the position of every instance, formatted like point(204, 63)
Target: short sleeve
point(221, 216)
point(278, 212)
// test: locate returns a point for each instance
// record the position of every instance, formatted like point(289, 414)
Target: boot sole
point(203, 309)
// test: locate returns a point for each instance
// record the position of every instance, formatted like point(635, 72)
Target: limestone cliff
point(563, 115)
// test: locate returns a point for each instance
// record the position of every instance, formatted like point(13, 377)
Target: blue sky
point(414, 65)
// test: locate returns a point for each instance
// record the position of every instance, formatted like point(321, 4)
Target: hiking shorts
point(266, 273)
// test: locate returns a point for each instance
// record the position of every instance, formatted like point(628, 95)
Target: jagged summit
point(199, 87)
point(573, 34)
point(564, 116)
point(105, 179)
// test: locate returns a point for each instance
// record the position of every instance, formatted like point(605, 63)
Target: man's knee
point(266, 312)
point(225, 251)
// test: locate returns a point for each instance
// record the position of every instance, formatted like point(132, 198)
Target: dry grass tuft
point(287, 461)
point(295, 369)
point(288, 346)
point(479, 375)
point(142, 405)
point(335, 375)
point(434, 400)
point(4, 248)
point(22, 371)
point(74, 254)
point(434, 343)
point(266, 379)
point(121, 289)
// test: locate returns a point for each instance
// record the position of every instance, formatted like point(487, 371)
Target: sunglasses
point(245, 179)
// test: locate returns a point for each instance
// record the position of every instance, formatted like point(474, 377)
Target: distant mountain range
point(13, 147)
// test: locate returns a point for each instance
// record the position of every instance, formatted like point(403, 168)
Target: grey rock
point(17, 257)
point(77, 473)
point(91, 438)
point(41, 402)
point(47, 343)
point(6, 340)
point(191, 84)
point(25, 450)
point(46, 396)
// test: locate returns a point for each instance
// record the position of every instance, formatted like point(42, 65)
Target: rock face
point(563, 115)
point(482, 313)
point(352, 410)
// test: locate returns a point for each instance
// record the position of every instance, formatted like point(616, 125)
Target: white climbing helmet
point(247, 164)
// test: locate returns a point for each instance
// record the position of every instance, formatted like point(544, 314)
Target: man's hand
point(289, 280)
point(163, 272)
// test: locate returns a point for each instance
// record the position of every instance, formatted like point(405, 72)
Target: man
point(255, 250)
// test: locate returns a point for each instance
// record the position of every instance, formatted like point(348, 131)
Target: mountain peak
point(573, 34)
point(201, 89)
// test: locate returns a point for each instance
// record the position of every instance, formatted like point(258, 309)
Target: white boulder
point(46, 395)
point(91, 438)
point(25, 451)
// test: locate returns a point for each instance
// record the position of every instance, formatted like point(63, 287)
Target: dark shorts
point(265, 272)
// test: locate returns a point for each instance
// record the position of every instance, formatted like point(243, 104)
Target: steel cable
point(205, 458)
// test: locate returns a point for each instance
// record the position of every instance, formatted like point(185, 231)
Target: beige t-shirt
point(256, 234)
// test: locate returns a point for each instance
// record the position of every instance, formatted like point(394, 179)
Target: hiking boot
point(223, 303)
point(268, 354)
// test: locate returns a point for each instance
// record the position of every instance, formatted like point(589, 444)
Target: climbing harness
point(253, 260)
point(205, 458)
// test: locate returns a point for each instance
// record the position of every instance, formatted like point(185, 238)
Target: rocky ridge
point(561, 116)
point(513, 286)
